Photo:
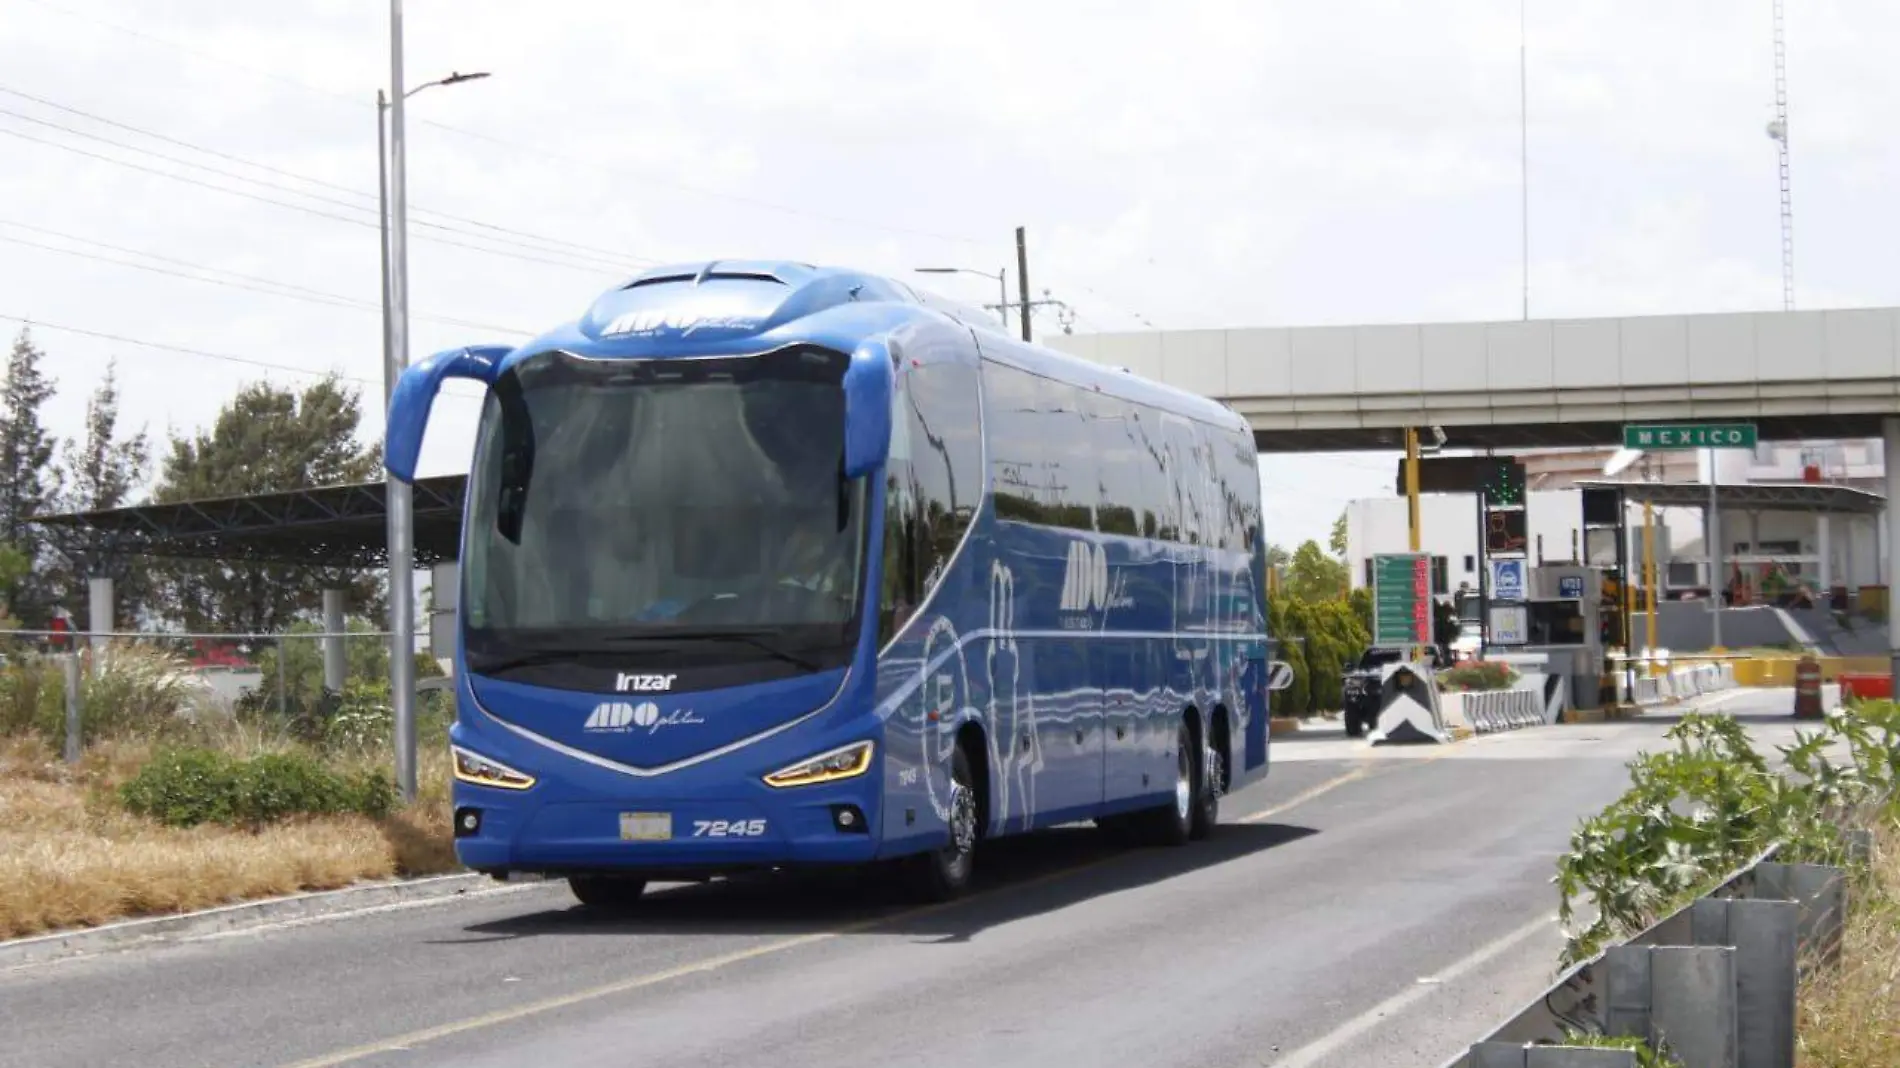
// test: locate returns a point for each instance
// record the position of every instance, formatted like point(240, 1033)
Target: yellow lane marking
point(622, 986)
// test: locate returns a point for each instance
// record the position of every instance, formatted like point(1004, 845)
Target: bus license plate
point(646, 826)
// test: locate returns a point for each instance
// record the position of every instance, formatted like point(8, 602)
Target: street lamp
point(391, 368)
point(393, 195)
point(1002, 285)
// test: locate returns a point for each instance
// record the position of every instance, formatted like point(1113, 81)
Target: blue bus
point(767, 565)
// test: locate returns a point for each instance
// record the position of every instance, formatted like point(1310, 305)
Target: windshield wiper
point(754, 638)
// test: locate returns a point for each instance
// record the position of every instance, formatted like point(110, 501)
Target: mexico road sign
point(1401, 599)
point(1654, 436)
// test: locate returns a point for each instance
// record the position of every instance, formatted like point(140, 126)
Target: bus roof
point(724, 306)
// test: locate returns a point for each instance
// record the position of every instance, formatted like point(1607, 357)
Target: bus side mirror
point(868, 382)
point(415, 394)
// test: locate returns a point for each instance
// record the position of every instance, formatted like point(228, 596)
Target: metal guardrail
point(1717, 977)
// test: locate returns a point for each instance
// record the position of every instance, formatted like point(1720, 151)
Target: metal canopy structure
point(1762, 496)
point(326, 527)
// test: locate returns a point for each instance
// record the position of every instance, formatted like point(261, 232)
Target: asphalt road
point(1365, 907)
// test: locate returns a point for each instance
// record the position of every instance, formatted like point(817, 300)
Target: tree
point(28, 481)
point(1337, 542)
point(97, 474)
point(1296, 699)
point(103, 471)
point(1317, 638)
point(266, 440)
point(1314, 576)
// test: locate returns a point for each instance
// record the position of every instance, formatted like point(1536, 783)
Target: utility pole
point(397, 499)
point(398, 503)
point(1022, 278)
point(390, 370)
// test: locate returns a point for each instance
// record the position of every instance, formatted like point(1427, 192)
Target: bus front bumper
point(668, 827)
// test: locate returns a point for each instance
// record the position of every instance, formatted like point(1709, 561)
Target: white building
point(1751, 539)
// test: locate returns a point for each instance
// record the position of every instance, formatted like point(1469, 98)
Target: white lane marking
point(1314, 1052)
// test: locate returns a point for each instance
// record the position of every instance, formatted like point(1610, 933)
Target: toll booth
point(1557, 628)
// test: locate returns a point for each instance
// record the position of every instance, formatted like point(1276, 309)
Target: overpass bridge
point(1541, 382)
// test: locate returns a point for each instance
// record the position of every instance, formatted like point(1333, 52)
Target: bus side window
point(935, 479)
point(896, 592)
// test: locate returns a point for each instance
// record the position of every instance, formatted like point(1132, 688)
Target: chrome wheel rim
point(962, 820)
point(1183, 782)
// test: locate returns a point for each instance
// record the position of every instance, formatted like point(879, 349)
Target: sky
point(195, 179)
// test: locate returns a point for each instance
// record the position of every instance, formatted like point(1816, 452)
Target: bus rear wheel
point(1207, 806)
point(607, 893)
point(943, 874)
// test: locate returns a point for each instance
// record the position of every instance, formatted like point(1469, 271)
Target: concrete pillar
point(1824, 544)
point(1852, 559)
point(101, 615)
point(1890, 438)
point(335, 654)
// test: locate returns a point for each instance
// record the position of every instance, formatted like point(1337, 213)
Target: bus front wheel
point(944, 873)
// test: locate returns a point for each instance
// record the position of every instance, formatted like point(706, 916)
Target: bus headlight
point(842, 763)
point(474, 768)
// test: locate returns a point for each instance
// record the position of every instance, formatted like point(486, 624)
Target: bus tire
point(606, 893)
point(1207, 801)
point(944, 874)
point(1172, 824)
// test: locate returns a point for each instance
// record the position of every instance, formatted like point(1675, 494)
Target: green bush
point(1319, 639)
point(1480, 675)
point(1296, 698)
point(187, 787)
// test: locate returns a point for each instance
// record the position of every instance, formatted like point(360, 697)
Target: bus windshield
point(691, 510)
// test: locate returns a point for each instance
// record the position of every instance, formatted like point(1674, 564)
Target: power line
point(295, 292)
point(41, 324)
point(320, 198)
point(294, 207)
point(1116, 307)
point(519, 146)
point(371, 197)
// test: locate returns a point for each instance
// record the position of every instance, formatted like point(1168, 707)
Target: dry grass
point(71, 857)
point(1850, 1016)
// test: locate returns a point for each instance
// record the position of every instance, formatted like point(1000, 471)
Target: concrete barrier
point(1491, 711)
point(1409, 707)
point(1662, 682)
point(1777, 671)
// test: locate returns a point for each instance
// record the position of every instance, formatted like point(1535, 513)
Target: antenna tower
point(1778, 129)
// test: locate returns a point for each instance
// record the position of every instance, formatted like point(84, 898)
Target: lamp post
point(1002, 285)
point(391, 369)
point(396, 495)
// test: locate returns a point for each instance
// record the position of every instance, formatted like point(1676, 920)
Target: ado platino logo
point(623, 717)
point(1086, 586)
